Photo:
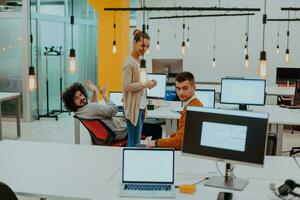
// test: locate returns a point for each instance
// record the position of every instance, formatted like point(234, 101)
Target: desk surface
point(298, 161)
point(93, 172)
point(8, 95)
point(277, 115)
point(270, 90)
point(189, 170)
point(56, 170)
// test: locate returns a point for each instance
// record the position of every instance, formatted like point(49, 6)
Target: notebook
point(116, 98)
point(148, 173)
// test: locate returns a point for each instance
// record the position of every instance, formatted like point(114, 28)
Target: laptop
point(148, 172)
point(116, 98)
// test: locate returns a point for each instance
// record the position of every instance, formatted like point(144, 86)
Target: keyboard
point(290, 106)
point(153, 187)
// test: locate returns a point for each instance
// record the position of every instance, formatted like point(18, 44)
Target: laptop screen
point(116, 98)
point(148, 165)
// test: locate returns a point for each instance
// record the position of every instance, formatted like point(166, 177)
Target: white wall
point(230, 39)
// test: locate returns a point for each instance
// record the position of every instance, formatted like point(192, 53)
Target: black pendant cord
point(248, 30)
point(183, 29)
point(288, 32)
point(72, 23)
point(278, 29)
point(215, 38)
point(264, 24)
point(115, 26)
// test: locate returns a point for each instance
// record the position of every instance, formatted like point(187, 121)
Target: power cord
point(189, 188)
point(219, 171)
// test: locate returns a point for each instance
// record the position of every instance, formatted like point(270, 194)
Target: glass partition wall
point(50, 27)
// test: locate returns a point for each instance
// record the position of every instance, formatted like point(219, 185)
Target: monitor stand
point(242, 106)
point(228, 182)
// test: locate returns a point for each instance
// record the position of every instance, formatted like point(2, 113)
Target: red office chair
point(100, 133)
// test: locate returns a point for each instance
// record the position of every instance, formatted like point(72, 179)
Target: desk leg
point(77, 131)
point(18, 115)
point(0, 122)
point(168, 127)
point(279, 139)
point(174, 125)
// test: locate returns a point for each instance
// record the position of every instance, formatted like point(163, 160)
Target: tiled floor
point(62, 131)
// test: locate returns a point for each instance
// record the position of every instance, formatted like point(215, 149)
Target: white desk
point(6, 96)
point(272, 90)
point(297, 160)
point(56, 170)
point(278, 117)
point(190, 170)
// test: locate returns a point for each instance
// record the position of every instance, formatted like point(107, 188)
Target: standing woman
point(134, 90)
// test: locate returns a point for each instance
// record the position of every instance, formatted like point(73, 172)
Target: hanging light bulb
point(72, 56)
point(245, 50)
point(188, 37)
point(214, 62)
point(157, 43)
point(114, 47)
point(263, 65)
point(277, 49)
point(246, 60)
point(72, 61)
point(287, 56)
point(143, 71)
point(183, 48)
point(32, 82)
point(157, 46)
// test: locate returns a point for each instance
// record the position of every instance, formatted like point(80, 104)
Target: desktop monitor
point(207, 97)
point(116, 98)
point(287, 74)
point(243, 92)
point(159, 91)
point(232, 136)
point(169, 67)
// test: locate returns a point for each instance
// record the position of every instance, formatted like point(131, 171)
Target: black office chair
point(6, 192)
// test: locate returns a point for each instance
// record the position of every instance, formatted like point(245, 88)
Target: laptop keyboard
point(155, 187)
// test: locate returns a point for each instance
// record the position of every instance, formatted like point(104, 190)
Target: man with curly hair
point(75, 100)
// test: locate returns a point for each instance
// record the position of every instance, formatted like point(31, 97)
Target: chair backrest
point(99, 132)
point(6, 192)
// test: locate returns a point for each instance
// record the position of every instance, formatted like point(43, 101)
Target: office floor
point(62, 131)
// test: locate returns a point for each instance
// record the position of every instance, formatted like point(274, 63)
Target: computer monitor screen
point(287, 74)
point(207, 97)
point(243, 91)
point(159, 91)
point(169, 67)
point(116, 98)
point(230, 135)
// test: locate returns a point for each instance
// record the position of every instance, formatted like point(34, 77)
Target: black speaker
point(288, 187)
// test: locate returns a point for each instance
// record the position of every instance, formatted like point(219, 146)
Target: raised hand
point(90, 86)
point(102, 90)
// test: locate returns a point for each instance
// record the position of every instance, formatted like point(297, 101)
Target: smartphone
point(225, 196)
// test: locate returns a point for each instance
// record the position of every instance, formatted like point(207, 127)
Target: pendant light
point(188, 36)
point(247, 45)
point(287, 51)
point(114, 45)
point(263, 65)
point(277, 46)
point(157, 43)
point(72, 56)
point(183, 48)
point(31, 74)
point(214, 47)
point(143, 70)
point(147, 27)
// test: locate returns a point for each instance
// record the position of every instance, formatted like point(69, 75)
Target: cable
point(196, 183)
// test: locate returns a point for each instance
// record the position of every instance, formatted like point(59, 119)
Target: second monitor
point(207, 97)
point(159, 91)
point(243, 92)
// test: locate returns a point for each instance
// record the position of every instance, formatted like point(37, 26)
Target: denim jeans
point(134, 132)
